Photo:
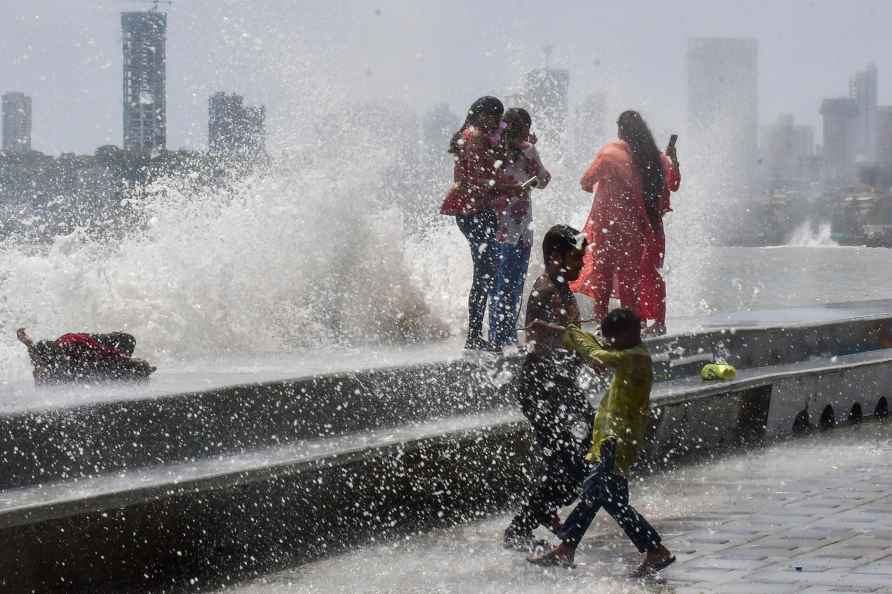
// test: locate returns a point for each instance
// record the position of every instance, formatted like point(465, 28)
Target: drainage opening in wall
point(882, 409)
point(752, 414)
point(802, 423)
point(855, 415)
point(827, 420)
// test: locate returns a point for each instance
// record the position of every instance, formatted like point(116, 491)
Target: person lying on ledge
point(81, 356)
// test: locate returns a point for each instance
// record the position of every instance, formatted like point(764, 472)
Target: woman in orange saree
point(631, 180)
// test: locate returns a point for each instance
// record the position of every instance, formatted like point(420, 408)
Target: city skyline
point(292, 59)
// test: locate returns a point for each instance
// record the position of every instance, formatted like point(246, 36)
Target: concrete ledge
point(192, 534)
point(64, 444)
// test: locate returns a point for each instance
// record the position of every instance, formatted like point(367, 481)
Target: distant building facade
point(145, 60)
point(840, 123)
point(884, 137)
point(16, 122)
point(863, 89)
point(234, 129)
point(723, 106)
point(787, 150)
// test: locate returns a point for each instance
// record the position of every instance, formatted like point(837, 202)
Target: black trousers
point(480, 231)
point(553, 403)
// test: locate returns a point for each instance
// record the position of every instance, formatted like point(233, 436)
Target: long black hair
point(483, 106)
point(633, 129)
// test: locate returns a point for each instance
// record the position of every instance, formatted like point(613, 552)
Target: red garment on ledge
point(81, 343)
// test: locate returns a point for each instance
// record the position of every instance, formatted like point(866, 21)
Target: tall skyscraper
point(723, 107)
point(884, 137)
point(234, 129)
point(840, 118)
point(145, 59)
point(863, 89)
point(16, 122)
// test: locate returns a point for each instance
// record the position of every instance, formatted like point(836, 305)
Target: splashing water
point(289, 261)
point(806, 235)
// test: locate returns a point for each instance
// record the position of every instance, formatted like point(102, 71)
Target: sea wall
point(62, 444)
point(194, 534)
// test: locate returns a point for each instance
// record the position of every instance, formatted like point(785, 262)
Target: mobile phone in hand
point(672, 140)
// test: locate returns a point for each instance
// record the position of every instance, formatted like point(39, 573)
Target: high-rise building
point(723, 107)
point(234, 129)
point(785, 147)
point(145, 59)
point(863, 89)
point(840, 117)
point(16, 122)
point(884, 137)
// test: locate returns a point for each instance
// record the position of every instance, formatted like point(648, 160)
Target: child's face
point(569, 265)
point(518, 134)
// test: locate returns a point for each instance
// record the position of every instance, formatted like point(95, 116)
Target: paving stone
point(754, 553)
point(879, 567)
point(749, 587)
point(711, 562)
point(713, 575)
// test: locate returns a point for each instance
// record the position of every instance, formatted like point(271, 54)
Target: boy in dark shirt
point(547, 389)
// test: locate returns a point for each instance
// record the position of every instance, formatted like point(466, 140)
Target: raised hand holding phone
point(670, 149)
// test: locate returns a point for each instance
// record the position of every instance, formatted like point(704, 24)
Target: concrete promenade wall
point(63, 444)
point(192, 535)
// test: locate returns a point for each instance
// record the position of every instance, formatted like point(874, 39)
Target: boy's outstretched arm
point(592, 350)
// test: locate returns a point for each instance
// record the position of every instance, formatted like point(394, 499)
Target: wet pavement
point(810, 515)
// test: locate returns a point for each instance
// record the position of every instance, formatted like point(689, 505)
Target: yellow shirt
point(625, 408)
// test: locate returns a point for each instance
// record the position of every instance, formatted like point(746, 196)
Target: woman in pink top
point(624, 229)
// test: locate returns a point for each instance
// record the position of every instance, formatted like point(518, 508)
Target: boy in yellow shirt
point(617, 435)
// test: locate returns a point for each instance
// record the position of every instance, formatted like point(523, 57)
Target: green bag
point(718, 371)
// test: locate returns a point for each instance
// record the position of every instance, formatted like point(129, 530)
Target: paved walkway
point(812, 515)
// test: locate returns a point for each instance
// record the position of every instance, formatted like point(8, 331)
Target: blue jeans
point(504, 304)
point(480, 231)
point(609, 490)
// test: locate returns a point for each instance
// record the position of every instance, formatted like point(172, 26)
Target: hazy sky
point(302, 57)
